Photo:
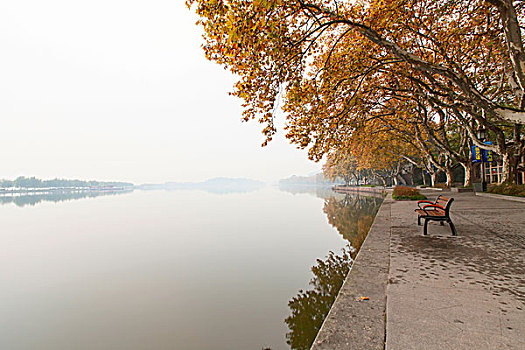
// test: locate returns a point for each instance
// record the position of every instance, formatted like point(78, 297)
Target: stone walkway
point(464, 292)
point(438, 291)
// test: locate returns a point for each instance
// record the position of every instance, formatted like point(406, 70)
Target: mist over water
point(161, 269)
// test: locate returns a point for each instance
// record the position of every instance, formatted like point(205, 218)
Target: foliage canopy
point(348, 70)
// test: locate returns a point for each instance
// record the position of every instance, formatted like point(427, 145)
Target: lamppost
point(482, 135)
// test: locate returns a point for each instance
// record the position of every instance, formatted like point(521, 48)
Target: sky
point(121, 90)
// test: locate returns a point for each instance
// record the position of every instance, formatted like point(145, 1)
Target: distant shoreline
point(14, 190)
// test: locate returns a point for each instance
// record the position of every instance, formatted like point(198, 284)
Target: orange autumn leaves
point(368, 77)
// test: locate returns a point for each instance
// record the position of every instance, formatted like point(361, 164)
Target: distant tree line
point(33, 182)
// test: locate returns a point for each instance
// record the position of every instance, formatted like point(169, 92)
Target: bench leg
point(452, 228)
point(425, 227)
point(419, 220)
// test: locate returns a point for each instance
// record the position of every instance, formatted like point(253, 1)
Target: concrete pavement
point(435, 291)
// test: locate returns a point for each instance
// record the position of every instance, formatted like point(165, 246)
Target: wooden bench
point(440, 200)
point(435, 211)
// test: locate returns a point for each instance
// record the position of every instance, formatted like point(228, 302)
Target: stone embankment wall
point(354, 189)
point(357, 318)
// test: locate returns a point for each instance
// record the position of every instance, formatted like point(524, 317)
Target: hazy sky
point(120, 90)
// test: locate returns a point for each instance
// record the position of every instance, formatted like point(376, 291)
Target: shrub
point(407, 193)
point(507, 189)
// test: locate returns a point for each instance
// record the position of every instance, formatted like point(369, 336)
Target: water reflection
point(323, 192)
point(170, 270)
point(218, 185)
point(34, 198)
point(309, 308)
point(351, 215)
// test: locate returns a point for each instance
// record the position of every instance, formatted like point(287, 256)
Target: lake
point(172, 269)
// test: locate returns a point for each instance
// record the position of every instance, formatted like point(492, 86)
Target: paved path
point(464, 292)
point(441, 292)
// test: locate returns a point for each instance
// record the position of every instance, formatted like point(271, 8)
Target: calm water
point(171, 269)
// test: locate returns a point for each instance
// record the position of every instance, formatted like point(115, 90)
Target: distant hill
point(215, 185)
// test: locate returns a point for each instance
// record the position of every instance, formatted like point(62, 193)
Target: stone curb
point(353, 189)
point(501, 196)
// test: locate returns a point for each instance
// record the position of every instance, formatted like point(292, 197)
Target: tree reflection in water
point(32, 199)
point(352, 216)
point(309, 308)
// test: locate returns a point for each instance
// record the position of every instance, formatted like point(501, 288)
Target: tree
point(331, 62)
point(341, 165)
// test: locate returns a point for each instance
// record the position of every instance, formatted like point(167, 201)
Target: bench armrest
point(423, 201)
point(433, 206)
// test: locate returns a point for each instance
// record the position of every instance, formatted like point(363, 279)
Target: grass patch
point(507, 189)
point(403, 193)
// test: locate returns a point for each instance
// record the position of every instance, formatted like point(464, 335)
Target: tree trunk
point(511, 156)
point(412, 176)
point(396, 171)
point(424, 176)
point(509, 168)
point(467, 182)
point(450, 176)
point(433, 179)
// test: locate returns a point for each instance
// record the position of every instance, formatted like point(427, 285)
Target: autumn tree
point(341, 165)
point(330, 63)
